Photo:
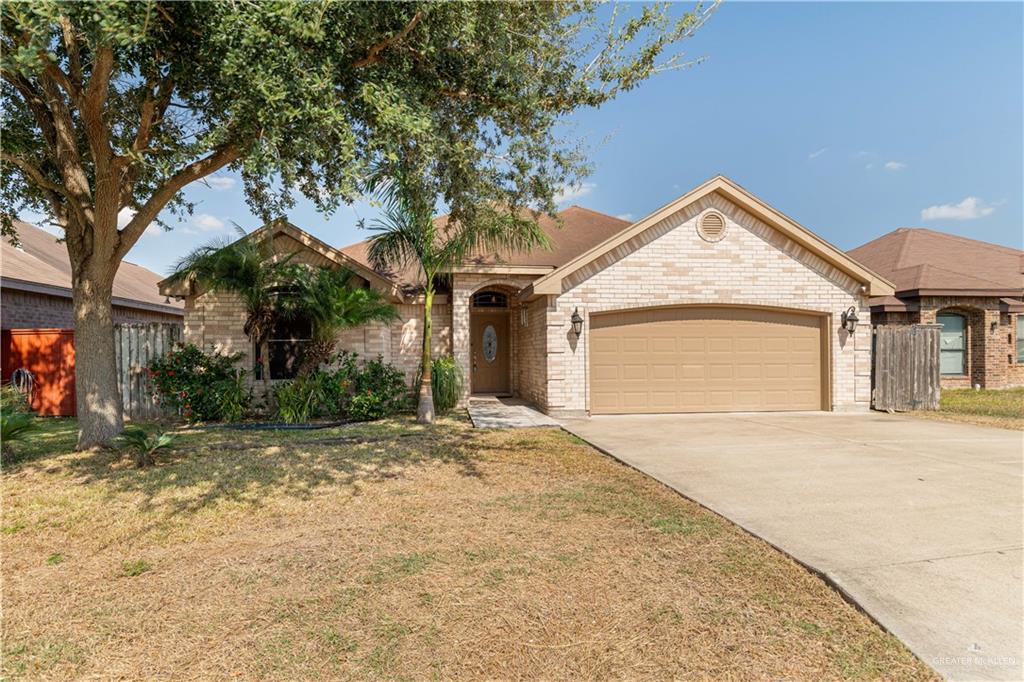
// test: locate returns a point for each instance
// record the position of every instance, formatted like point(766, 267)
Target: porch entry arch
point(708, 358)
point(491, 339)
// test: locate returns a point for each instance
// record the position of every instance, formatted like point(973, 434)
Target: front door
point(489, 346)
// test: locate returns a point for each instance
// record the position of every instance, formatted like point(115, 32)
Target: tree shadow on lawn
point(246, 468)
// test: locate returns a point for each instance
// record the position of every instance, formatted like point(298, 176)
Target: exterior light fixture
point(577, 323)
point(850, 319)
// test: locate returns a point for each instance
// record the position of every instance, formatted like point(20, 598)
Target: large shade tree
point(112, 108)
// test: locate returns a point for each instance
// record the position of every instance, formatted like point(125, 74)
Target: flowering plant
point(200, 386)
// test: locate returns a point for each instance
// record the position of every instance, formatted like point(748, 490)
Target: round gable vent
point(711, 226)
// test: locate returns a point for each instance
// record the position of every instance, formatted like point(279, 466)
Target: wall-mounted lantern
point(577, 323)
point(850, 319)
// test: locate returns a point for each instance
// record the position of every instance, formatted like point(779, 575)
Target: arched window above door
point(490, 299)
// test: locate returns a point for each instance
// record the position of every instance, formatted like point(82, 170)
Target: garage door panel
point(705, 359)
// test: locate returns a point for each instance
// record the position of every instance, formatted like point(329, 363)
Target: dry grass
point(1003, 408)
point(394, 551)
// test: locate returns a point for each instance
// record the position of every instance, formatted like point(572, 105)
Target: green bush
point(201, 387)
point(17, 421)
point(307, 397)
point(446, 383)
point(379, 391)
point(362, 393)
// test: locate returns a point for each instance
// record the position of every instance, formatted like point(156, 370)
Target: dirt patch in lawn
point(397, 551)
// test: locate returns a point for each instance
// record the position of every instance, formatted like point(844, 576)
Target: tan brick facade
point(670, 264)
point(214, 322)
point(991, 358)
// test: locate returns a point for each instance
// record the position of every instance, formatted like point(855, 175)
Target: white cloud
point(814, 155)
point(220, 182)
point(208, 223)
point(895, 165)
point(567, 194)
point(970, 208)
point(869, 166)
point(625, 216)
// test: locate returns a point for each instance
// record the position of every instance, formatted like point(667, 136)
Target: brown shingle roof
point(43, 260)
point(919, 259)
point(581, 229)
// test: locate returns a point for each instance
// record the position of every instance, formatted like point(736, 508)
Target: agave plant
point(15, 426)
point(145, 444)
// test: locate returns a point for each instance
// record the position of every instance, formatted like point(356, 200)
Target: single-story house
point(713, 302)
point(972, 288)
point(35, 278)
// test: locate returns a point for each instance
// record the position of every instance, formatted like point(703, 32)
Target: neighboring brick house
point(35, 278)
point(973, 289)
point(714, 302)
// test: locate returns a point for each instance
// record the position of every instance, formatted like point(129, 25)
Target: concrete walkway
point(918, 521)
point(487, 412)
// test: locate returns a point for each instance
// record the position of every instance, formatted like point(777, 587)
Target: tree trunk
point(97, 395)
point(425, 407)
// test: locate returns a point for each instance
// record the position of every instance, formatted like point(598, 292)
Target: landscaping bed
point(1003, 408)
point(392, 550)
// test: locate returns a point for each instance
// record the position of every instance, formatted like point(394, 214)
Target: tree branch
point(149, 211)
point(34, 173)
point(74, 56)
point(373, 54)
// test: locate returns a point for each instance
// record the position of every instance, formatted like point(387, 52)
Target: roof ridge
point(600, 213)
point(930, 266)
point(958, 237)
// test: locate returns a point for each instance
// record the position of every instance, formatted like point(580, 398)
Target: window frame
point(946, 352)
point(1019, 340)
point(282, 335)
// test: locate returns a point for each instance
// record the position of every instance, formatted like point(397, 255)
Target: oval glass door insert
point(490, 343)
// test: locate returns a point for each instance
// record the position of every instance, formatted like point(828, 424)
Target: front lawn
point(995, 407)
point(389, 550)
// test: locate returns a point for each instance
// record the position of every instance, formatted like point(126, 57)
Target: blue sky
point(854, 119)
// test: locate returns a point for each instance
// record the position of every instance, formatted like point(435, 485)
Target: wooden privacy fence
point(135, 345)
point(906, 375)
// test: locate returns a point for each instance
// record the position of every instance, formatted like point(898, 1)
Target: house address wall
point(670, 264)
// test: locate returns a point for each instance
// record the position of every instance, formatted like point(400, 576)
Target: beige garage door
point(696, 359)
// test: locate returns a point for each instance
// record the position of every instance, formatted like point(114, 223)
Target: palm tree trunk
point(425, 407)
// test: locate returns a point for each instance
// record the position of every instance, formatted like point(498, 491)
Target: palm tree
point(328, 299)
point(408, 236)
point(250, 269)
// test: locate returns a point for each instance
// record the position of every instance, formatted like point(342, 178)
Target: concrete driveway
point(919, 521)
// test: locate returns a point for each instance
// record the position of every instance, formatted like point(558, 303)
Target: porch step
point(506, 413)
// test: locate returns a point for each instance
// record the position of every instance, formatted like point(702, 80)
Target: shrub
point(379, 391)
point(362, 393)
point(200, 386)
point(145, 445)
point(446, 383)
point(309, 396)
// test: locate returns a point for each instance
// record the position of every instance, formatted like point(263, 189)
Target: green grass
point(988, 407)
point(1007, 402)
point(135, 568)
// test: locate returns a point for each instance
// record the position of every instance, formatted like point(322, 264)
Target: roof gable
point(284, 232)
point(876, 285)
